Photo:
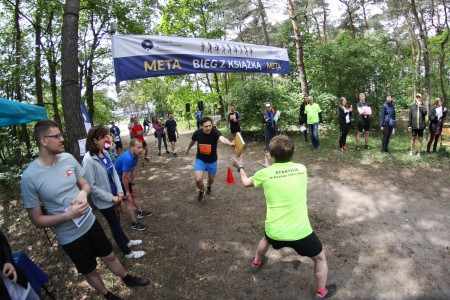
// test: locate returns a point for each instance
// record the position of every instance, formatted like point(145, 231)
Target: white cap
point(268, 105)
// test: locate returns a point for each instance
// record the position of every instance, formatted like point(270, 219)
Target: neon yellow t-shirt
point(312, 113)
point(285, 187)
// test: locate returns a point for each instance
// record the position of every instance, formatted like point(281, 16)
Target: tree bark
point(442, 55)
point(299, 46)
point(262, 13)
point(70, 91)
point(426, 57)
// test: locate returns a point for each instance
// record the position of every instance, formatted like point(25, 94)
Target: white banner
point(142, 56)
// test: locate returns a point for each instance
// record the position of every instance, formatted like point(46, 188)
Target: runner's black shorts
point(363, 126)
point(309, 246)
point(172, 137)
point(84, 250)
point(417, 132)
point(119, 145)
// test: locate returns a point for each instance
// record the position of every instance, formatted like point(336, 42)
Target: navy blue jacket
point(387, 113)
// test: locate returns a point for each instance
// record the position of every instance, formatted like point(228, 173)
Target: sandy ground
point(384, 230)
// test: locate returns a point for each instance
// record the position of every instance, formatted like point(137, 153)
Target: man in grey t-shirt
point(55, 180)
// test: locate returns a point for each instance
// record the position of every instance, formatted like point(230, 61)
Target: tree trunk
point(442, 56)
point(221, 102)
point(70, 91)
point(350, 17)
point(324, 24)
point(24, 137)
point(262, 13)
point(299, 46)
point(426, 57)
point(38, 57)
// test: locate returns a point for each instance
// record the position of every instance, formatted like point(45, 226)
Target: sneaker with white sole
point(138, 226)
point(135, 254)
point(208, 190)
point(133, 243)
point(418, 154)
point(143, 213)
point(410, 153)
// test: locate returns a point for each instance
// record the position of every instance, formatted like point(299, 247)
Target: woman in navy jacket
point(387, 122)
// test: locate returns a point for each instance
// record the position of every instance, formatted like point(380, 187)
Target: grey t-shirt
point(55, 187)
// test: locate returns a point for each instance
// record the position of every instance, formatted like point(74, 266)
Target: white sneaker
point(418, 154)
point(410, 153)
point(135, 254)
point(133, 243)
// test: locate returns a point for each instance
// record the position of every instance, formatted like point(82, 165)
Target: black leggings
point(114, 224)
point(343, 135)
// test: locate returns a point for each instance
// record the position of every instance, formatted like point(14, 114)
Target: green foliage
point(251, 95)
point(104, 107)
point(329, 105)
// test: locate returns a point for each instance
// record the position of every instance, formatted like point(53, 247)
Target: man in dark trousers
point(233, 120)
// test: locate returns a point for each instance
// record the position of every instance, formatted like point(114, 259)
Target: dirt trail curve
point(386, 235)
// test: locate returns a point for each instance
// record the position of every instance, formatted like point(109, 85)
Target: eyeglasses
point(55, 136)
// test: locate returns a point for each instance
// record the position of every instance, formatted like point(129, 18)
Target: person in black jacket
point(387, 122)
point(14, 283)
point(302, 118)
point(345, 118)
point(436, 117)
point(417, 125)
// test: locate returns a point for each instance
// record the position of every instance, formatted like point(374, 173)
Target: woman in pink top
point(159, 134)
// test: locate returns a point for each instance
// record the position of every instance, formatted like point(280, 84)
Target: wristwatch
point(239, 169)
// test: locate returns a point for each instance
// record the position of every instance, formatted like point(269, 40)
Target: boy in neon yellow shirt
point(287, 223)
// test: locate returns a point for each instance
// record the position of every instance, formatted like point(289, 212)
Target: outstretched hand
point(266, 160)
point(237, 163)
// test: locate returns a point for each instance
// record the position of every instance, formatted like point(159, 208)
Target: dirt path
point(385, 232)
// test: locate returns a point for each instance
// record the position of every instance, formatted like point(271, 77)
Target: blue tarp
point(14, 112)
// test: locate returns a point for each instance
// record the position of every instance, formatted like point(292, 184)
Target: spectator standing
point(314, 119)
point(137, 132)
point(345, 119)
point(387, 122)
point(126, 166)
point(159, 133)
point(172, 133)
point(115, 131)
point(130, 125)
point(146, 125)
point(206, 158)
point(364, 110)
point(287, 223)
point(233, 120)
point(198, 114)
point(417, 124)
point(302, 117)
point(436, 117)
point(106, 189)
point(270, 127)
point(56, 181)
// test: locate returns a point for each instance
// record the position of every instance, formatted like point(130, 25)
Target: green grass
point(398, 146)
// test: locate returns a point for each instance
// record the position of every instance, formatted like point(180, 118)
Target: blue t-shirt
point(125, 163)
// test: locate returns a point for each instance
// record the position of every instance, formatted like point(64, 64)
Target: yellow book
point(239, 144)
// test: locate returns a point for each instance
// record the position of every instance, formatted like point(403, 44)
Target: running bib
point(205, 149)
